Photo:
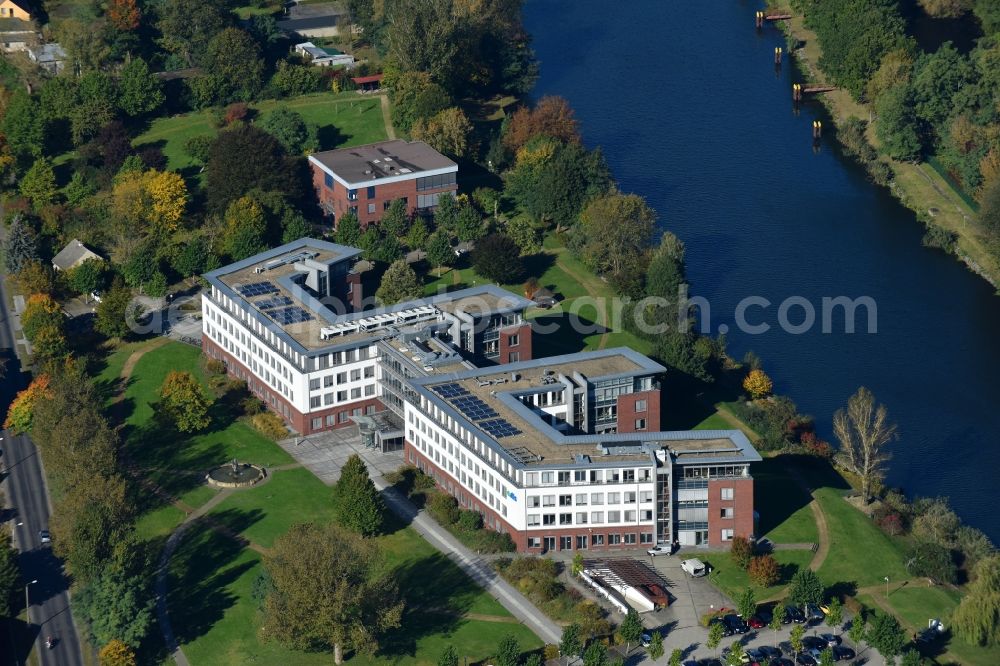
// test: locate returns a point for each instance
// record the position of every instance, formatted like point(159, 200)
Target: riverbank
point(919, 186)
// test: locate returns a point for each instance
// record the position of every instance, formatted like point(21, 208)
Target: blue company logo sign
point(511, 495)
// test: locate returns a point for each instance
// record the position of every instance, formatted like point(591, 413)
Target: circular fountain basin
point(243, 475)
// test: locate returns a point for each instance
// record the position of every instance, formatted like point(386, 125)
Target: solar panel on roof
point(499, 428)
point(289, 315)
point(273, 302)
point(256, 289)
point(449, 391)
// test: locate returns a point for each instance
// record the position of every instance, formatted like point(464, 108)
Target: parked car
point(786, 649)
point(806, 659)
point(694, 567)
point(842, 652)
point(710, 662)
point(765, 615)
point(726, 631)
point(769, 652)
point(736, 624)
point(813, 643)
point(645, 640)
point(813, 613)
point(793, 614)
point(781, 661)
point(44, 536)
point(756, 622)
point(662, 549)
point(831, 639)
point(755, 655)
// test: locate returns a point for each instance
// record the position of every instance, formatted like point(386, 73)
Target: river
point(686, 103)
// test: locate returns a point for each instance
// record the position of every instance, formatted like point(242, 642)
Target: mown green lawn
point(785, 516)
point(732, 580)
point(343, 119)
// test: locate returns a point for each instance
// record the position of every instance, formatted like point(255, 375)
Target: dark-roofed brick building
point(367, 179)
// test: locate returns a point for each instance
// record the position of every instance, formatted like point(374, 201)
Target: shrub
point(235, 112)
point(763, 571)
point(270, 425)
point(551, 652)
point(470, 520)
point(443, 508)
point(251, 406)
point(741, 551)
point(215, 366)
point(491, 541)
point(932, 561)
point(939, 237)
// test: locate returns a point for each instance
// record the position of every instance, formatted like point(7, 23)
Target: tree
point(498, 259)
point(469, 224)
point(746, 604)
point(989, 206)
point(596, 654)
point(189, 25)
point(115, 310)
point(858, 630)
point(777, 620)
point(736, 654)
point(294, 80)
point(291, 129)
point(330, 591)
point(508, 652)
point(552, 117)
point(676, 655)
point(139, 90)
point(415, 97)
point(932, 560)
point(757, 384)
point(886, 635)
point(348, 230)
point(571, 644)
point(117, 606)
point(630, 629)
point(763, 570)
point(395, 220)
point(894, 70)
point(798, 631)
point(616, 230)
point(359, 506)
point(191, 258)
point(911, 658)
point(805, 588)
point(741, 551)
point(197, 148)
point(864, 431)
point(399, 283)
point(23, 126)
point(447, 132)
point(988, 14)
point(835, 614)
point(39, 184)
point(576, 568)
point(87, 524)
point(946, 8)
point(88, 276)
point(826, 657)
point(439, 250)
point(525, 234)
point(245, 230)
point(715, 634)
point(123, 14)
point(20, 246)
point(245, 158)
point(416, 237)
point(446, 213)
point(896, 128)
point(21, 412)
point(117, 653)
point(450, 657)
point(183, 401)
point(10, 575)
point(41, 312)
point(977, 618)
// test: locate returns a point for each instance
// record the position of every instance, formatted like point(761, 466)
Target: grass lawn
point(343, 119)
point(715, 422)
point(732, 580)
point(785, 516)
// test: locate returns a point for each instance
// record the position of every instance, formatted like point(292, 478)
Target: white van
point(694, 568)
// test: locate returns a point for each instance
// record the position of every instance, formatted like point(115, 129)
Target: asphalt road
point(27, 498)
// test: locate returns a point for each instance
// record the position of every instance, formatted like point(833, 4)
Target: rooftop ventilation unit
point(290, 259)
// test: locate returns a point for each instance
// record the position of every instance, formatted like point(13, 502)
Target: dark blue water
point(686, 104)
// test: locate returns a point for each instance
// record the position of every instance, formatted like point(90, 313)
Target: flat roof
point(538, 443)
point(374, 162)
point(306, 336)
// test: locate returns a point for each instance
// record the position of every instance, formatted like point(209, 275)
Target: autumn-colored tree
point(168, 198)
point(116, 653)
point(22, 410)
point(552, 116)
point(245, 228)
point(155, 199)
point(124, 15)
point(447, 131)
point(763, 571)
point(184, 401)
point(757, 384)
point(741, 551)
point(864, 431)
point(35, 278)
point(41, 312)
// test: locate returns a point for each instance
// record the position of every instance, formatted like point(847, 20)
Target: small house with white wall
point(323, 57)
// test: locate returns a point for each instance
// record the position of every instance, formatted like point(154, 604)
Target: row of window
point(331, 420)
point(593, 518)
point(336, 358)
point(341, 396)
point(596, 499)
point(591, 476)
point(435, 182)
point(583, 542)
point(368, 372)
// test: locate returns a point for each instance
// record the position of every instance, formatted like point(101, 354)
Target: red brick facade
point(333, 196)
point(629, 417)
point(301, 423)
point(741, 504)
point(494, 520)
point(523, 346)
